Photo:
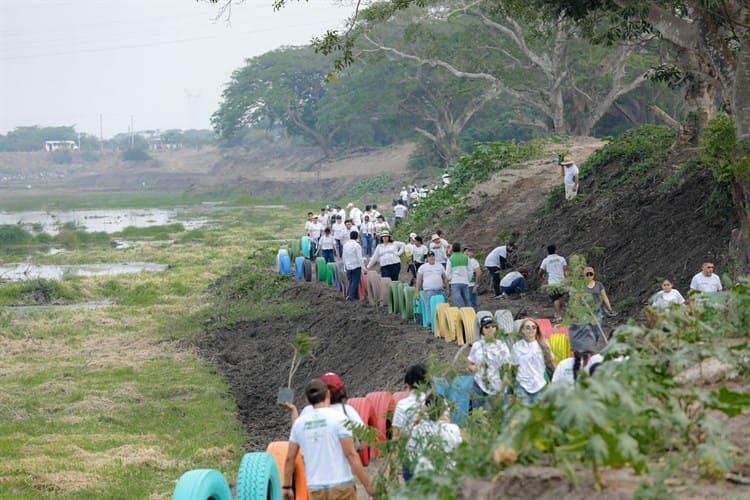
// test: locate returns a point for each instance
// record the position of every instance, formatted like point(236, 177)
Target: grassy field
point(113, 402)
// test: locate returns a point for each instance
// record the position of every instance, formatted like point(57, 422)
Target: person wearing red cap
point(338, 401)
point(325, 440)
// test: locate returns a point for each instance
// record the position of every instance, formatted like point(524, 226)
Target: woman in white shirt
point(667, 296)
point(533, 357)
point(388, 254)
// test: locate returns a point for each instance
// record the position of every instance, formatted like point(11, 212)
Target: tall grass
point(113, 402)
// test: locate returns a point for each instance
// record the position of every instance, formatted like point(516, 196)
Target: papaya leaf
point(730, 403)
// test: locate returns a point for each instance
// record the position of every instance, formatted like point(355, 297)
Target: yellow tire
point(440, 323)
point(560, 346)
point(455, 326)
point(468, 316)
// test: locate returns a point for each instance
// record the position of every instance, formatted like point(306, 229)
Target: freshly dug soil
point(369, 348)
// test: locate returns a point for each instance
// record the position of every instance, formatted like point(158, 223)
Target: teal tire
point(202, 484)
point(305, 246)
point(258, 478)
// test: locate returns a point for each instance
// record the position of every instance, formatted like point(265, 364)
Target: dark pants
point(353, 276)
point(339, 246)
point(329, 255)
point(313, 247)
point(391, 271)
point(495, 275)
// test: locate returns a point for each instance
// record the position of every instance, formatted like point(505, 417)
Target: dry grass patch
point(65, 481)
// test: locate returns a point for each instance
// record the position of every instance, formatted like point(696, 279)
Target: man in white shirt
point(706, 281)
point(432, 279)
point(436, 247)
point(352, 258)
point(496, 261)
point(314, 231)
point(323, 218)
point(554, 266)
point(459, 276)
point(339, 232)
point(399, 212)
point(327, 449)
point(355, 214)
point(570, 177)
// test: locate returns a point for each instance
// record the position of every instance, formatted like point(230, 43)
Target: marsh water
point(104, 220)
point(24, 271)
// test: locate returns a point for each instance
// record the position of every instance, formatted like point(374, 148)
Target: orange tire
point(279, 449)
point(546, 327)
point(367, 414)
point(383, 405)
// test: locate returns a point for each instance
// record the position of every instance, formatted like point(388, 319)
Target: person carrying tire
point(327, 446)
point(432, 279)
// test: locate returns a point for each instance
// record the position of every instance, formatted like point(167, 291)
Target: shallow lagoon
point(104, 220)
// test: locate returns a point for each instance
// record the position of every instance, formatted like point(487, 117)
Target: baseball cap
point(332, 381)
point(430, 253)
point(314, 388)
point(487, 320)
point(412, 235)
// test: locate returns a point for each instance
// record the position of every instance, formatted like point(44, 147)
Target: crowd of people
point(362, 240)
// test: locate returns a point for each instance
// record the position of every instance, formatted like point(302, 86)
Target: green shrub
point(13, 235)
point(369, 185)
point(135, 155)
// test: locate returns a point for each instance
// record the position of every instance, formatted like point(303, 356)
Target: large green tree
point(278, 90)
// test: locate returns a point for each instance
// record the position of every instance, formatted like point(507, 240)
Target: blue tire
point(284, 265)
point(298, 271)
point(422, 305)
point(305, 244)
point(461, 390)
point(258, 478)
point(202, 484)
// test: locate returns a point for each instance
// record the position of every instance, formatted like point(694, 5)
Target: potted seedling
point(302, 347)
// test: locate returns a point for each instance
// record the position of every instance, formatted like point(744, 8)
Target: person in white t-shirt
point(433, 437)
point(567, 370)
point(570, 177)
point(432, 279)
point(486, 358)
point(706, 281)
point(314, 232)
point(533, 356)
point(514, 282)
point(340, 233)
point(323, 217)
point(554, 267)
point(436, 246)
point(367, 232)
point(399, 212)
point(496, 261)
point(327, 246)
point(667, 296)
point(324, 437)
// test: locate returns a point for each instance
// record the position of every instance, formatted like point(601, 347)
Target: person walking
point(327, 246)
point(486, 358)
point(533, 357)
point(570, 176)
point(388, 254)
point(407, 409)
point(664, 298)
point(459, 276)
point(597, 298)
point(706, 281)
point(554, 267)
point(352, 258)
point(432, 279)
point(476, 275)
point(327, 446)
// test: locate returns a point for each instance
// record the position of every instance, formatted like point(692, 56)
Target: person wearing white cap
point(436, 246)
point(388, 254)
point(570, 177)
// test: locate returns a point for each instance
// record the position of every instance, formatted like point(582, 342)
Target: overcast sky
point(163, 62)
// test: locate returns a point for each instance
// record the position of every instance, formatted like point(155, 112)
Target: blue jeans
point(367, 245)
point(526, 397)
point(353, 276)
point(329, 255)
point(460, 295)
point(473, 297)
point(313, 247)
point(517, 285)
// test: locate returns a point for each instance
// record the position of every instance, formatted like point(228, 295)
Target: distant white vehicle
point(60, 146)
